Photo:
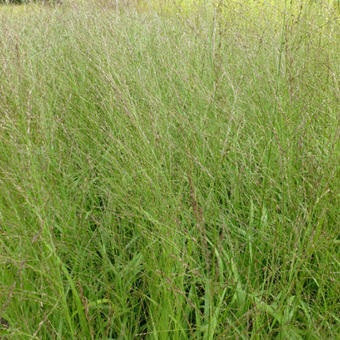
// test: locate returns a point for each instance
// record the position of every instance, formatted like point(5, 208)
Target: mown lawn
point(170, 171)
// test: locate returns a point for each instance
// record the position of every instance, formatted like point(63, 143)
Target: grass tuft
point(170, 171)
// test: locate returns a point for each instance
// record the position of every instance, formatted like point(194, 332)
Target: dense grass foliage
point(170, 174)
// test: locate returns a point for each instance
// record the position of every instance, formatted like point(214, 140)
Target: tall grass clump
point(168, 173)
